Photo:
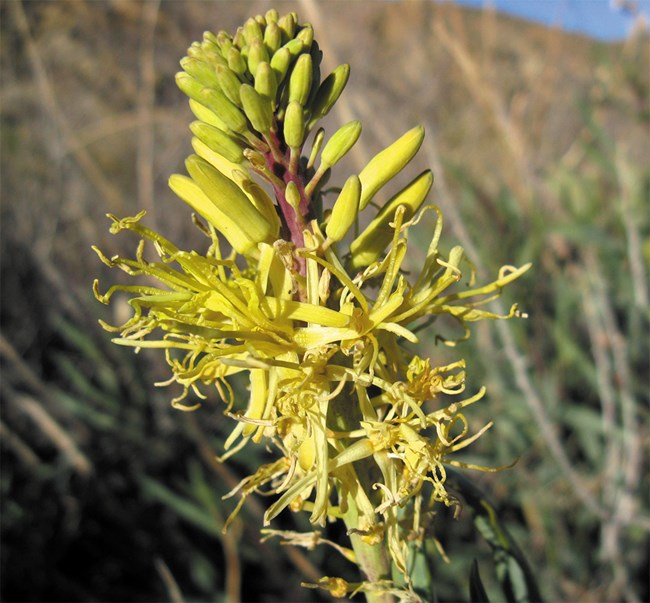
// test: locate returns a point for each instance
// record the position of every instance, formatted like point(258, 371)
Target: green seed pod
point(387, 163)
point(257, 108)
point(300, 80)
point(328, 93)
point(218, 141)
point(368, 246)
point(345, 210)
point(340, 143)
point(294, 125)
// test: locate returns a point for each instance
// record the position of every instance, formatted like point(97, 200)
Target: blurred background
point(539, 141)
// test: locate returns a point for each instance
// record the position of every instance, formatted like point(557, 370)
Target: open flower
point(320, 326)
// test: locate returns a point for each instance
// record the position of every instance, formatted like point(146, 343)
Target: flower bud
point(367, 247)
point(257, 108)
point(218, 141)
point(294, 125)
point(345, 210)
point(340, 143)
point(300, 80)
point(387, 163)
point(328, 93)
point(228, 198)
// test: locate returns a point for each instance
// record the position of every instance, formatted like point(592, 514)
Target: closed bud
point(287, 24)
point(280, 62)
point(340, 143)
point(265, 81)
point(229, 113)
point(229, 83)
point(345, 210)
point(328, 93)
point(252, 31)
point(292, 195)
point(228, 198)
point(257, 108)
point(257, 54)
point(190, 192)
point(294, 125)
point(272, 38)
point(306, 35)
point(189, 86)
point(300, 80)
point(235, 61)
point(367, 247)
point(271, 16)
point(207, 116)
point(387, 163)
point(200, 71)
point(218, 141)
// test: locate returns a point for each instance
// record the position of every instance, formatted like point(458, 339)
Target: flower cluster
point(317, 311)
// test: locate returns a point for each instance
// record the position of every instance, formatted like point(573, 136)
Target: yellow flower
point(319, 326)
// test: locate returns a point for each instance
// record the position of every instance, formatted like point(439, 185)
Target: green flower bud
point(229, 83)
point(228, 198)
point(280, 62)
point(271, 16)
point(292, 195)
point(287, 24)
point(272, 38)
point(218, 141)
point(368, 246)
point(340, 143)
point(345, 210)
point(227, 111)
point(306, 34)
point(257, 108)
point(265, 81)
point(328, 93)
point(294, 125)
point(252, 31)
point(207, 116)
point(300, 80)
point(189, 86)
point(235, 232)
point(387, 163)
point(200, 71)
point(257, 54)
point(235, 61)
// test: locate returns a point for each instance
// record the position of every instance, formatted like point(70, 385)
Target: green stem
point(372, 559)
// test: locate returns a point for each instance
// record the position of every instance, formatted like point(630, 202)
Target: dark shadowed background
point(539, 142)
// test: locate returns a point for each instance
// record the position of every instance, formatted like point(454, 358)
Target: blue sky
point(596, 18)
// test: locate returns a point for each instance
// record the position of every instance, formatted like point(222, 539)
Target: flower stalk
point(323, 323)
